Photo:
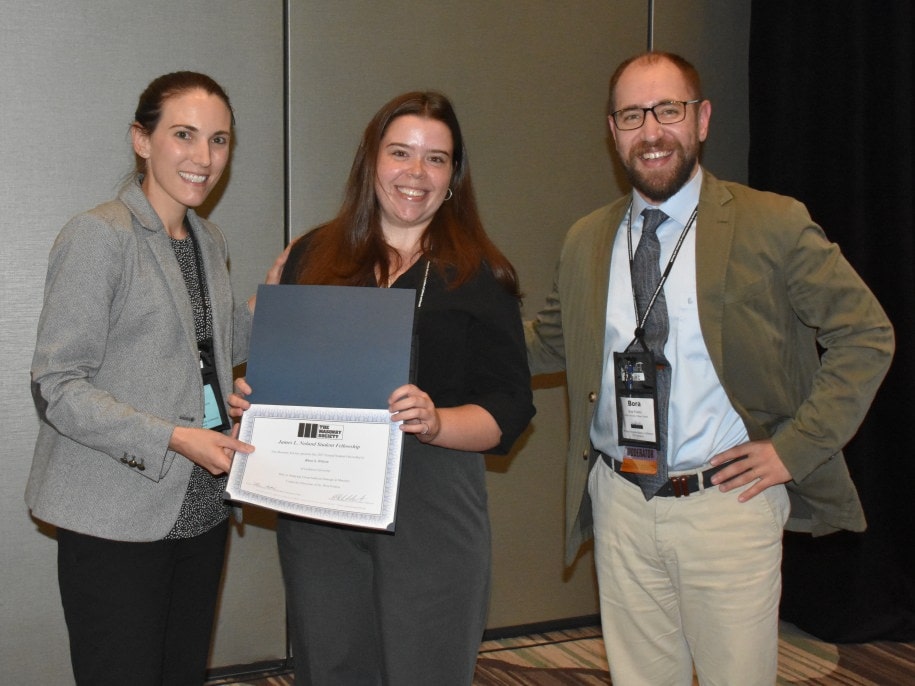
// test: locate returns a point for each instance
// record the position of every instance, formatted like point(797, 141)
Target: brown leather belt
point(676, 486)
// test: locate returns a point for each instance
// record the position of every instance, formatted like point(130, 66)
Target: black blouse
point(469, 345)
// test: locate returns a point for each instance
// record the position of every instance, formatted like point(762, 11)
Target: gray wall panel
point(715, 36)
point(72, 72)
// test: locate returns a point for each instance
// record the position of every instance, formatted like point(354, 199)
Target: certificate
point(323, 361)
point(335, 465)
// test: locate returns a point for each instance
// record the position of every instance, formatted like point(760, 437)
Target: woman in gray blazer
point(136, 343)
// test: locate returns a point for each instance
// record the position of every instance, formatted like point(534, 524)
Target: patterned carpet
point(576, 658)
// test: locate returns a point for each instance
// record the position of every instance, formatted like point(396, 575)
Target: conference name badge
point(635, 382)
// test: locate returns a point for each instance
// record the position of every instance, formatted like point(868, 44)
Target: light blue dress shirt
point(701, 420)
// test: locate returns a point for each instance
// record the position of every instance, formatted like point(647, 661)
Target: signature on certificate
point(350, 498)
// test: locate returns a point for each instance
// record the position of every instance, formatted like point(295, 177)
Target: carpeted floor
point(576, 658)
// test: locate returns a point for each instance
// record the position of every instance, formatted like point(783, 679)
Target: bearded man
point(719, 352)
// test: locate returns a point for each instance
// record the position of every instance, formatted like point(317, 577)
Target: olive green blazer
point(772, 293)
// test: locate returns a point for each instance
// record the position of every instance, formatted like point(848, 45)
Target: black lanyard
point(670, 263)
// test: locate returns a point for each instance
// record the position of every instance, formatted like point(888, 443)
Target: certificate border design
point(384, 520)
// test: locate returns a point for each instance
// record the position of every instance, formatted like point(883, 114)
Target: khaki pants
point(691, 581)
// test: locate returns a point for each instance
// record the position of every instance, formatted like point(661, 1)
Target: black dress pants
point(140, 613)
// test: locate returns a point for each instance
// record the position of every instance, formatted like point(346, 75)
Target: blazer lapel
point(714, 241)
point(151, 229)
point(161, 248)
point(219, 287)
point(598, 276)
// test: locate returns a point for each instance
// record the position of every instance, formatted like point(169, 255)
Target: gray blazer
point(116, 369)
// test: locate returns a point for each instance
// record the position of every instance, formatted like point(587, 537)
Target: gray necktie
point(646, 273)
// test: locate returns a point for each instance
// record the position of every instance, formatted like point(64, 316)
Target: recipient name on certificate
point(330, 464)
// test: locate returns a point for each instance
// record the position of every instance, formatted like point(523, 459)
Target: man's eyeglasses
point(669, 112)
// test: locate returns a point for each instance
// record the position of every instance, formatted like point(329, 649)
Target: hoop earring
point(448, 195)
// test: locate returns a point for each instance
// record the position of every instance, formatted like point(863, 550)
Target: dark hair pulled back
point(152, 100)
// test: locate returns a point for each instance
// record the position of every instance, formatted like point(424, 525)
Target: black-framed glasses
point(667, 112)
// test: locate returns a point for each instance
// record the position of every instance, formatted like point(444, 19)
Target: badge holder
point(635, 379)
point(214, 410)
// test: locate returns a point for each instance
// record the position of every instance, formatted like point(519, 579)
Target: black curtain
point(832, 122)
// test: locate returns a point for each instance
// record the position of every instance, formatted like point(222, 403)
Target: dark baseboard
point(541, 627)
point(255, 670)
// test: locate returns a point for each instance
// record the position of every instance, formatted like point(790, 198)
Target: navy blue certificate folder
point(330, 346)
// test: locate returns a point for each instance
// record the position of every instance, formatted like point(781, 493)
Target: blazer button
point(592, 396)
point(584, 455)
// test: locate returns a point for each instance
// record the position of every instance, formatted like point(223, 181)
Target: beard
point(656, 185)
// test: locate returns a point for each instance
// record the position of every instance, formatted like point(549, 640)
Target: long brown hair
point(347, 249)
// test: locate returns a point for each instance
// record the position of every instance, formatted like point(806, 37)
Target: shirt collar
point(679, 206)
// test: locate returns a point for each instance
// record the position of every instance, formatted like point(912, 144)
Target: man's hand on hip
point(760, 464)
